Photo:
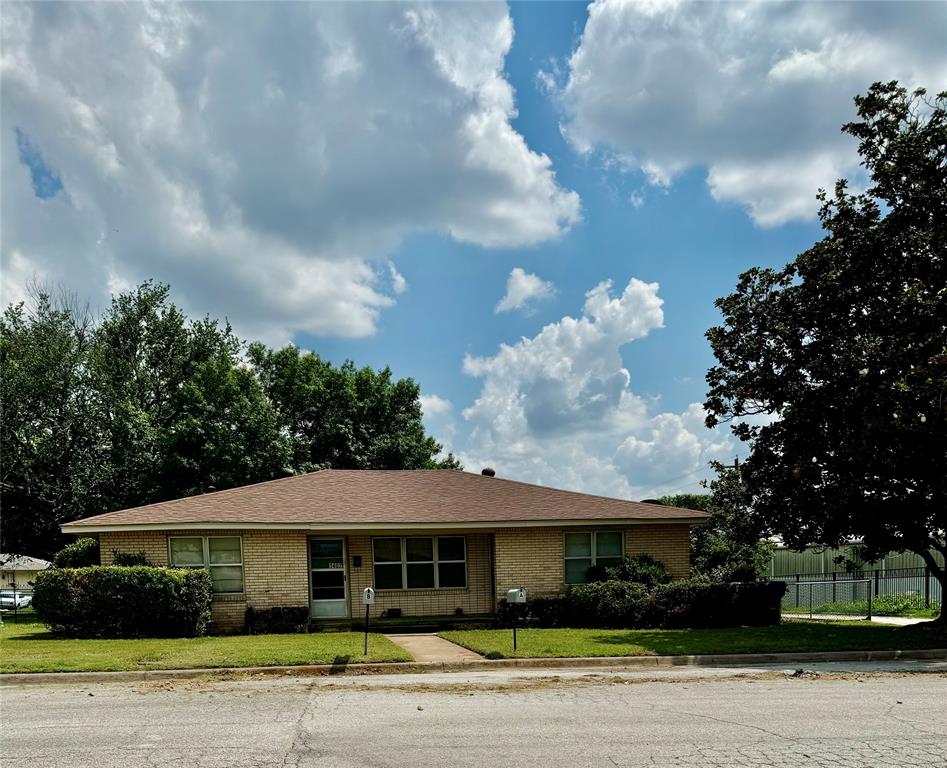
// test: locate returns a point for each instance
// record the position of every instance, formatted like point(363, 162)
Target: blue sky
point(363, 180)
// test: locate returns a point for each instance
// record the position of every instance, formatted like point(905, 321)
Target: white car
point(10, 599)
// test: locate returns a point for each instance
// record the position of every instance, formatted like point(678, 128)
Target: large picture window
point(583, 549)
point(420, 562)
point(222, 555)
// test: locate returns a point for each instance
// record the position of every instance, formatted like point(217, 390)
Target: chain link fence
point(862, 594)
point(848, 599)
point(15, 603)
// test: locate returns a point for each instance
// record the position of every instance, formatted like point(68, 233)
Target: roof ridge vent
point(488, 472)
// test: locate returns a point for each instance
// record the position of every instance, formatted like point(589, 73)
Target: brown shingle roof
point(380, 497)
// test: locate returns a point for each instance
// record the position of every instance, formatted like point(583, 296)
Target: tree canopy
point(345, 417)
point(144, 404)
point(729, 545)
point(834, 368)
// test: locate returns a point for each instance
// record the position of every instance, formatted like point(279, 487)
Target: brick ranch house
point(431, 542)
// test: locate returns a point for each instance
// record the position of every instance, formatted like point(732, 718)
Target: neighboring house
point(21, 570)
point(431, 542)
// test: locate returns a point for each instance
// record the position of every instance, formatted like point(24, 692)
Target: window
point(388, 572)
point(222, 555)
point(419, 559)
point(451, 561)
point(420, 562)
point(587, 548)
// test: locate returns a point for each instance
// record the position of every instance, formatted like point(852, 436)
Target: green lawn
point(793, 636)
point(28, 647)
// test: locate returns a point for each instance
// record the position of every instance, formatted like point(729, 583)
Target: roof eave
point(78, 529)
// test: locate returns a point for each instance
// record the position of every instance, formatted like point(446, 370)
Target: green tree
point(145, 405)
point(141, 406)
point(182, 413)
point(50, 443)
point(345, 417)
point(845, 351)
point(730, 545)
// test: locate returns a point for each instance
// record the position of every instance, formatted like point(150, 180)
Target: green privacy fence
point(818, 560)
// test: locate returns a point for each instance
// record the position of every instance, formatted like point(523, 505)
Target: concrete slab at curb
point(401, 667)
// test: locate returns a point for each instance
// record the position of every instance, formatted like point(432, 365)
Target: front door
point(329, 590)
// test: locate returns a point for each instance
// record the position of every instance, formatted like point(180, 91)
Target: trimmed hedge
point(626, 605)
point(79, 554)
point(124, 602)
point(279, 620)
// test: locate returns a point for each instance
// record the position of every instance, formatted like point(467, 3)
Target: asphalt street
point(719, 717)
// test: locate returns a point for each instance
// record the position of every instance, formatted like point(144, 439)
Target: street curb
point(415, 667)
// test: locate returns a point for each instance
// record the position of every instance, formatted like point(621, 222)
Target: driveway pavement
point(707, 718)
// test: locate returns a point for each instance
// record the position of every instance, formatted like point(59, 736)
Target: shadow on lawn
point(658, 641)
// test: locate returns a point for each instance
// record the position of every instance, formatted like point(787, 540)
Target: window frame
point(435, 563)
point(593, 548)
point(205, 552)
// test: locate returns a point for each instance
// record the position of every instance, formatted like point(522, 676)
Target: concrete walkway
point(899, 621)
point(430, 647)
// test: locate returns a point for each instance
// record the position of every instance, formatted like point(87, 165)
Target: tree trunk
point(940, 574)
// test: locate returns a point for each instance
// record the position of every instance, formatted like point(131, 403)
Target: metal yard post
point(869, 605)
point(927, 586)
point(368, 600)
point(515, 598)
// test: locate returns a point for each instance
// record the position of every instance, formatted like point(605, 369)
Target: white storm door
point(327, 580)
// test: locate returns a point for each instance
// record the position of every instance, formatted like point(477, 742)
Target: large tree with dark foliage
point(345, 417)
point(145, 404)
point(50, 443)
point(844, 351)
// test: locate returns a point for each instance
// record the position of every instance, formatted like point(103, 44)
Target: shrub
point(893, 605)
point(79, 554)
point(701, 603)
point(261, 621)
point(608, 604)
point(536, 612)
point(642, 569)
point(115, 601)
point(128, 559)
point(626, 605)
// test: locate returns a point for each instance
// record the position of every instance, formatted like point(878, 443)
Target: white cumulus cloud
point(754, 92)
point(558, 408)
point(266, 159)
point(523, 289)
point(435, 405)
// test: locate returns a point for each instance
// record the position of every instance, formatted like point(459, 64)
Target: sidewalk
point(898, 621)
point(429, 647)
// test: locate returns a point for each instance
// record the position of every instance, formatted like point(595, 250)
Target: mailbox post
point(515, 597)
point(368, 600)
